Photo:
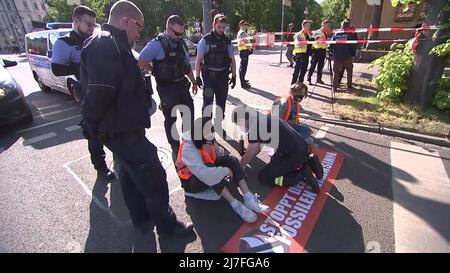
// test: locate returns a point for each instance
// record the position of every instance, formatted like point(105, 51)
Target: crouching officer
point(292, 161)
point(168, 59)
point(114, 110)
point(215, 54)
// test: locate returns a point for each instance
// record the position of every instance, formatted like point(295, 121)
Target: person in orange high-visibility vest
point(204, 171)
point(288, 109)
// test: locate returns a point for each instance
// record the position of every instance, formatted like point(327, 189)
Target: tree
point(335, 11)
point(59, 10)
point(428, 68)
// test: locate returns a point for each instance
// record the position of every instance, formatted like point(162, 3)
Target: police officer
point(244, 52)
point(319, 51)
point(302, 50)
point(66, 61)
point(343, 55)
point(290, 48)
point(114, 109)
point(168, 59)
point(215, 55)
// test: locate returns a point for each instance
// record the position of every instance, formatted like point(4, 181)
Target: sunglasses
point(137, 24)
point(179, 34)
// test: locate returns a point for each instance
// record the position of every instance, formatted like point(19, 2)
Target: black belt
point(105, 136)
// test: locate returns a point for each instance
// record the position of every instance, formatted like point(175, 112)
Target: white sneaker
point(246, 214)
point(254, 204)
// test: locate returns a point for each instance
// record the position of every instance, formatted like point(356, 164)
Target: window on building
point(25, 4)
point(42, 6)
point(35, 6)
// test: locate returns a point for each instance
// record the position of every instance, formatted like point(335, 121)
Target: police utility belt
point(213, 74)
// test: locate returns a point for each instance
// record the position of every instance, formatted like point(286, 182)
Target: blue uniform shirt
point(155, 51)
point(65, 54)
point(203, 48)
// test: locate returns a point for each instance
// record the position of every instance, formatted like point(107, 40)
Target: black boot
point(316, 166)
point(310, 180)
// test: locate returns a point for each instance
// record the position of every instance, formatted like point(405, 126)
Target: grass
point(361, 105)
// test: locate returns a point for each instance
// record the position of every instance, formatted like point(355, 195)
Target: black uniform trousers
point(287, 165)
point(301, 67)
point(215, 84)
point(173, 95)
point(143, 180)
point(317, 59)
point(244, 54)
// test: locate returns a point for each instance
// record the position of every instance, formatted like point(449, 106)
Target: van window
point(37, 44)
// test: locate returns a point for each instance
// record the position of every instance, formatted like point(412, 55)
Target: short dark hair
point(175, 20)
point(220, 18)
point(306, 22)
point(326, 21)
point(81, 10)
point(346, 23)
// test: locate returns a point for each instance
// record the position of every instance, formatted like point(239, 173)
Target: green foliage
point(442, 50)
point(394, 72)
point(442, 96)
point(58, 10)
point(336, 11)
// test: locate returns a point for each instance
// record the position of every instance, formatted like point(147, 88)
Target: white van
point(39, 47)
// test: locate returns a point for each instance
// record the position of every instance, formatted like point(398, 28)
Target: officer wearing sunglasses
point(167, 58)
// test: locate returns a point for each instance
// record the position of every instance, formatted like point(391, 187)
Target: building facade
point(17, 18)
point(380, 12)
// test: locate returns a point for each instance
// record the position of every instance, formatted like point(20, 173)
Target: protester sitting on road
point(292, 161)
point(205, 170)
point(288, 109)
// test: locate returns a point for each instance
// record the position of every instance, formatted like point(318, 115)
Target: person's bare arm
point(253, 150)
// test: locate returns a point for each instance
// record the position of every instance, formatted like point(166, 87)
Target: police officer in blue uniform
point(168, 59)
point(215, 56)
point(114, 109)
point(66, 61)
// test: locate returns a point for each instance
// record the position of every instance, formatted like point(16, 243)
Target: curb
point(376, 128)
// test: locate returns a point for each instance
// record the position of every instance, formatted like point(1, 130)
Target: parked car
point(13, 107)
point(192, 48)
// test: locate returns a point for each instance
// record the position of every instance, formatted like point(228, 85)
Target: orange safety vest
point(288, 112)
point(183, 170)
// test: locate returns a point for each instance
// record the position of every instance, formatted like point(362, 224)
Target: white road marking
point(322, 132)
point(88, 191)
point(38, 138)
point(46, 124)
point(421, 194)
point(72, 128)
point(59, 111)
point(175, 190)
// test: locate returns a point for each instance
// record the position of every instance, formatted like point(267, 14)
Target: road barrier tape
point(352, 30)
point(325, 42)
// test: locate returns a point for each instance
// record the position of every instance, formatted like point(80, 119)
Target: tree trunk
point(428, 68)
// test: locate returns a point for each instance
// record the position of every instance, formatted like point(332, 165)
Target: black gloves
point(199, 82)
point(232, 82)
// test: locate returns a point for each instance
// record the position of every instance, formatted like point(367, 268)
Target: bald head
point(124, 9)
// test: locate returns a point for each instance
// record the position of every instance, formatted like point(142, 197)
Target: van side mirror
point(49, 54)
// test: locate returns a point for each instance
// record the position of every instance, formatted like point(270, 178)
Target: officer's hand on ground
point(232, 81)
point(199, 82)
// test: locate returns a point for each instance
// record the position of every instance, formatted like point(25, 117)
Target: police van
point(39, 47)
